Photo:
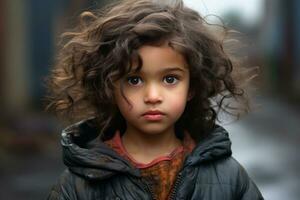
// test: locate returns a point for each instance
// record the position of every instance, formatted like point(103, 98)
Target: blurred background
point(266, 141)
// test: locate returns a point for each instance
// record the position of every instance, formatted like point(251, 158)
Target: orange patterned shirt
point(162, 171)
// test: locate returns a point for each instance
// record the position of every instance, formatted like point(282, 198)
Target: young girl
point(147, 79)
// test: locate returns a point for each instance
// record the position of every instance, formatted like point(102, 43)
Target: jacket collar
point(86, 155)
point(214, 146)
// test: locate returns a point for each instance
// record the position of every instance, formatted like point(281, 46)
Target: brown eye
point(170, 79)
point(134, 80)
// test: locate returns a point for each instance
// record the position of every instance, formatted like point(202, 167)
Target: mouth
point(153, 112)
point(153, 115)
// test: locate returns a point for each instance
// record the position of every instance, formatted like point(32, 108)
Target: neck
point(150, 144)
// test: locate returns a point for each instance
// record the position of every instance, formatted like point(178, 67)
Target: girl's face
point(158, 93)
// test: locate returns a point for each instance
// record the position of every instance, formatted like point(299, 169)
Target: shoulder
point(231, 167)
point(225, 170)
point(223, 178)
point(230, 172)
point(228, 178)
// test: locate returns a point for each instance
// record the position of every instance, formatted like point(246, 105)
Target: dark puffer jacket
point(96, 172)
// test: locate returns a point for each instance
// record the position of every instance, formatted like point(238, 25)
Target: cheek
point(177, 105)
point(177, 99)
point(127, 108)
point(122, 104)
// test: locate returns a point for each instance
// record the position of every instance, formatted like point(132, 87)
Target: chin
point(152, 130)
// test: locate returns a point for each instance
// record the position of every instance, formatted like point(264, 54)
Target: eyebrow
point(168, 69)
point(172, 69)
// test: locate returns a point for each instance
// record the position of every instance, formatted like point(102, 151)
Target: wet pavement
point(265, 142)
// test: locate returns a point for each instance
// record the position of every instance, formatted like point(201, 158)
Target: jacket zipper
point(175, 187)
point(173, 191)
point(148, 188)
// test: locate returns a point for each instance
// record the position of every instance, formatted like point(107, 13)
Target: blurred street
point(265, 142)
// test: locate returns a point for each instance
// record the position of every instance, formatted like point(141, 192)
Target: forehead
point(159, 58)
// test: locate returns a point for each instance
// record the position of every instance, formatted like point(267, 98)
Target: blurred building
point(280, 45)
point(1, 50)
point(29, 31)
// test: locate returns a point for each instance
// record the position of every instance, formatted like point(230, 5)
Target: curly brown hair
point(101, 49)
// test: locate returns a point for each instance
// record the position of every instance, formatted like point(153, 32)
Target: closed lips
point(153, 113)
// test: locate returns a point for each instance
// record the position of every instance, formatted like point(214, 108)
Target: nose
point(153, 94)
